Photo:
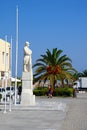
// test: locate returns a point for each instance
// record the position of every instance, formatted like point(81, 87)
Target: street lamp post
point(10, 72)
point(5, 74)
point(16, 54)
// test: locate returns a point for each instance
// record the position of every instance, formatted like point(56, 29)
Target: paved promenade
point(48, 114)
point(76, 116)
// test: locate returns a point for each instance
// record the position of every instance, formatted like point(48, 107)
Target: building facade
point(4, 59)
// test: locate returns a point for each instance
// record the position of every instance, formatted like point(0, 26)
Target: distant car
point(2, 92)
point(10, 90)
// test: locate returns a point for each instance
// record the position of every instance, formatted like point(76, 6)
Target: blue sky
point(47, 24)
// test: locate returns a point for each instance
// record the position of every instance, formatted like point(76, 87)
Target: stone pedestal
point(27, 98)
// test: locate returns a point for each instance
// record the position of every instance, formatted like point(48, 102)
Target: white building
point(4, 59)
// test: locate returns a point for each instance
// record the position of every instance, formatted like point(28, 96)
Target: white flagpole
point(5, 73)
point(16, 53)
point(10, 71)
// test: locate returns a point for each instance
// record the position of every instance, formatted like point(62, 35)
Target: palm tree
point(83, 73)
point(52, 66)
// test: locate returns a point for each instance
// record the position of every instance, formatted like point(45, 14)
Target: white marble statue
point(27, 57)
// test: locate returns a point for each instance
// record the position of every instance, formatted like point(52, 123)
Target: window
point(2, 73)
point(3, 57)
point(6, 58)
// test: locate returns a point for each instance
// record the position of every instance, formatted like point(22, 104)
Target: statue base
point(27, 98)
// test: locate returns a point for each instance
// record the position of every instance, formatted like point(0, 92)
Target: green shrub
point(64, 91)
point(40, 91)
point(0, 95)
point(57, 91)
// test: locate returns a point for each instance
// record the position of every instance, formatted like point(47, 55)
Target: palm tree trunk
point(62, 81)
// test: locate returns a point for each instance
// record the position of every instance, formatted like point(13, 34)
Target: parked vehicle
point(81, 84)
point(10, 91)
point(2, 92)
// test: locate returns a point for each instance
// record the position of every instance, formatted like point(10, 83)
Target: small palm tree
point(53, 67)
point(83, 73)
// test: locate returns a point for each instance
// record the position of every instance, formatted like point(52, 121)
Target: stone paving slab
point(43, 103)
point(48, 114)
point(76, 116)
point(73, 116)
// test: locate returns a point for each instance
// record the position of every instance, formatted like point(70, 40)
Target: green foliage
point(83, 73)
point(65, 92)
point(40, 91)
point(0, 95)
point(53, 66)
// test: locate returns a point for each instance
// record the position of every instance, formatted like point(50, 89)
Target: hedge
point(40, 91)
point(66, 91)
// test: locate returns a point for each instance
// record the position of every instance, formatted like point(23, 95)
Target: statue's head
point(27, 43)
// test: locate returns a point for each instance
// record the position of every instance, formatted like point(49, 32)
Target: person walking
point(19, 93)
point(50, 91)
